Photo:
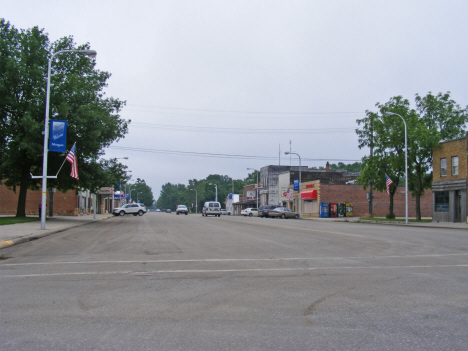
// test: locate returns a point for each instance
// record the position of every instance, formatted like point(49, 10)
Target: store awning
point(309, 195)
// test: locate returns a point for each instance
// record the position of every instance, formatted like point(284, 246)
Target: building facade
point(449, 185)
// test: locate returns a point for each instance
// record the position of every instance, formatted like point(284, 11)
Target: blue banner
point(296, 185)
point(58, 136)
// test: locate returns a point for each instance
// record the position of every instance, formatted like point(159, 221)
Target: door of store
point(458, 206)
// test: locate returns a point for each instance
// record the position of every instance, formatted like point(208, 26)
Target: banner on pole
point(58, 135)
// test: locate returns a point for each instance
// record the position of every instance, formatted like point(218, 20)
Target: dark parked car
point(263, 210)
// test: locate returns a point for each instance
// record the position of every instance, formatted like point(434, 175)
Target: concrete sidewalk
point(19, 233)
point(441, 225)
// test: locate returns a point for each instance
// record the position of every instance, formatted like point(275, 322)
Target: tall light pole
point(256, 185)
point(406, 160)
point(196, 200)
point(90, 53)
point(300, 180)
point(216, 199)
point(120, 184)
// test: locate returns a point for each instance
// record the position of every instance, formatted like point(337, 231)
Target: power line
point(213, 155)
point(246, 112)
point(241, 130)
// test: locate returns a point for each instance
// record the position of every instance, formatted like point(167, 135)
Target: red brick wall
point(64, 203)
point(358, 196)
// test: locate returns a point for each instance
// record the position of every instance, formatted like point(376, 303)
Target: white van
point(212, 208)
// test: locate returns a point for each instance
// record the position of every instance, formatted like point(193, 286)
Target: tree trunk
point(24, 184)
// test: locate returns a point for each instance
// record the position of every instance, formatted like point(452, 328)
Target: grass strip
point(15, 220)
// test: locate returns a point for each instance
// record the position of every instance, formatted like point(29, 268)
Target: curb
point(405, 225)
point(7, 243)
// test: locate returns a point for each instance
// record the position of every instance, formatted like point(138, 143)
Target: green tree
point(142, 192)
point(386, 133)
point(436, 118)
point(351, 167)
point(76, 96)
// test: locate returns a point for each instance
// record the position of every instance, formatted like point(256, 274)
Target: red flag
point(71, 157)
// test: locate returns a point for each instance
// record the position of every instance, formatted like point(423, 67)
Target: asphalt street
point(167, 282)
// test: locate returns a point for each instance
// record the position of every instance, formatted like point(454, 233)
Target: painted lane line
point(231, 260)
point(247, 270)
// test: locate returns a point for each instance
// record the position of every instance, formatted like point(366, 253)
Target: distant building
point(275, 180)
point(449, 184)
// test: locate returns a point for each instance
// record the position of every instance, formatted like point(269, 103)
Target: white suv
point(134, 209)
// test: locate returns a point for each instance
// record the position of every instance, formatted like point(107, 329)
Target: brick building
point(69, 203)
point(449, 183)
point(315, 192)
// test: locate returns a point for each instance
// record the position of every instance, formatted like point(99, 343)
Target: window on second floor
point(443, 167)
point(455, 165)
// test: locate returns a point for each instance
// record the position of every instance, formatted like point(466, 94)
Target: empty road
point(167, 282)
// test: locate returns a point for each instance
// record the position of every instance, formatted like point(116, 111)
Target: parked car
point(168, 210)
point(158, 210)
point(224, 212)
point(263, 210)
point(282, 212)
point(211, 208)
point(134, 209)
point(181, 209)
point(251, 212)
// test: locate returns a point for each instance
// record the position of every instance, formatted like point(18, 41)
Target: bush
point(390, 216)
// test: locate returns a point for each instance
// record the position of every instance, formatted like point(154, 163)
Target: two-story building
point(449, 183)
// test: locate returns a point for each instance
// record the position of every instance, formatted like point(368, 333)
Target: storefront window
point(441, 201)
point(455, 165)
point(443, 167)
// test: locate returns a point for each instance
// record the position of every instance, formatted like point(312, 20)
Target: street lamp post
point(256, 185)
point(120, 185)
point(406, 161)
point(216, 187)
point(90, 53)
point(196, 200)
point(300, 180)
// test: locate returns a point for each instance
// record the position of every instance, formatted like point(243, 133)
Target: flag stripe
point(71, 157)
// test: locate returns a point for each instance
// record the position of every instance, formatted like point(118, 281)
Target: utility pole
point(371, 205)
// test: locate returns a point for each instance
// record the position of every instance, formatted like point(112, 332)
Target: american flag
point(71, 157)
point(388, 181)
point(288, 194)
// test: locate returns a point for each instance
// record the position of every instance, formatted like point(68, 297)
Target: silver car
point(282, 212)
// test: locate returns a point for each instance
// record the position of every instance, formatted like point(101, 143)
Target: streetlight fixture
point(196, 200)
point(256, 185)
point(300, 179)
point(216, 199)
point(90, 53)
point(406, 161)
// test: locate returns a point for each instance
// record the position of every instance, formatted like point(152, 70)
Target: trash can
point(324, 210)
point(333, 209)
point(341, 210)
point(349, 209)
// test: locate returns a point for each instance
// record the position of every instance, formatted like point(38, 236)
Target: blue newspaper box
point(324, 210)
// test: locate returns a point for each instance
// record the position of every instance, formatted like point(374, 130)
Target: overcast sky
point(247, 77)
